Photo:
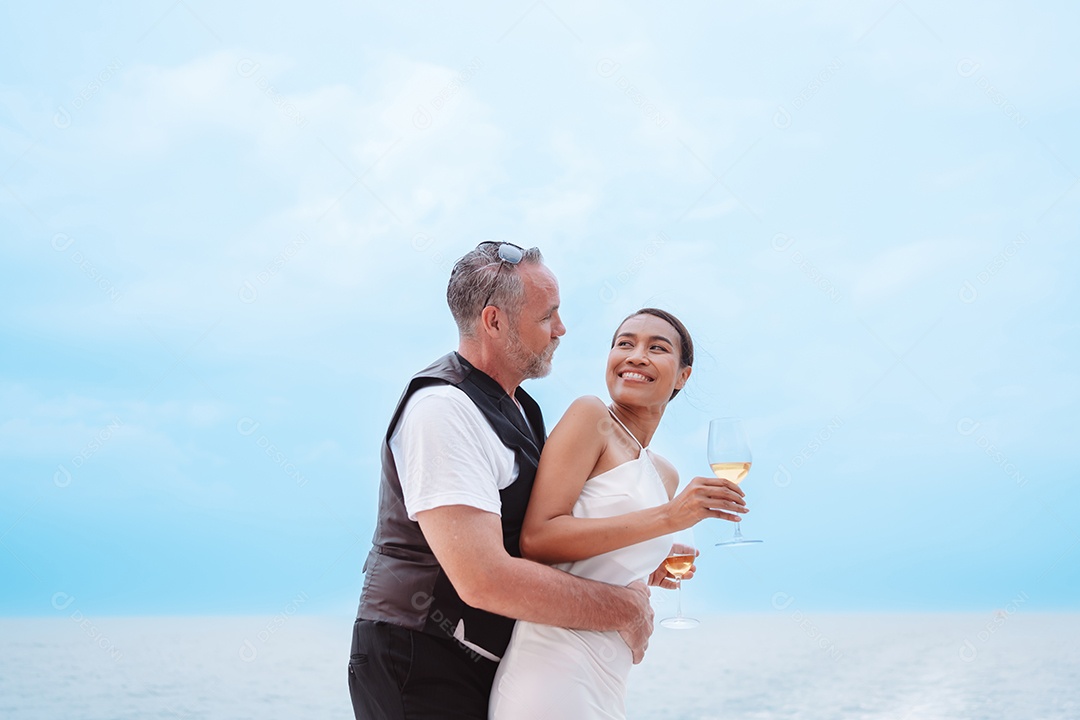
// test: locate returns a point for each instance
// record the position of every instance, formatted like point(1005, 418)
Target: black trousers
point(396, 674)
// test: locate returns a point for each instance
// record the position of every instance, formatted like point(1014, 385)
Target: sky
point(227, 230)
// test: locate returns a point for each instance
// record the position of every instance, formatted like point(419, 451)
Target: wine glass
point(730, 458)
point(678, 562)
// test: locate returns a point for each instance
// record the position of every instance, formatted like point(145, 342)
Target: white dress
point(551, 672)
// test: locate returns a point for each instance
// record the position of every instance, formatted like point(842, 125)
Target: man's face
point(534, 334)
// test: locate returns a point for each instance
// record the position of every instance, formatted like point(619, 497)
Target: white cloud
point(71, 425)
point(899, 270)
point(338, 200)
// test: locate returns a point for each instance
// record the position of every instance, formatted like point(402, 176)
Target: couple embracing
point(507, 577)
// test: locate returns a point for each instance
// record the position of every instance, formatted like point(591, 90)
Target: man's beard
point(528, 363)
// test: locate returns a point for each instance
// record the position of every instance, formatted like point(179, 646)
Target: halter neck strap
point(623, 426)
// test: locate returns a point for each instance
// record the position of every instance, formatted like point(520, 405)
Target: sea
point(784, 664)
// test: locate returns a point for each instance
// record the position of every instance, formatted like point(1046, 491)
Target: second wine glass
point(679, 561)
point(730, 459)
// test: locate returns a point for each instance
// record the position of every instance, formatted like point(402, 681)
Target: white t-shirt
point(447, 453)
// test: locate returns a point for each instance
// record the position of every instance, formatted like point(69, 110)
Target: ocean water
point(787, 664)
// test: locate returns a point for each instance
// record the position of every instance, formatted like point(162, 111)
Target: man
point(444, 579)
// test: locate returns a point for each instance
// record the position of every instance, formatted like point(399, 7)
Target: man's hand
point(468, 544)
point(636, 634)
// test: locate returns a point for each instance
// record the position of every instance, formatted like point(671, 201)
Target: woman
point(603, 507)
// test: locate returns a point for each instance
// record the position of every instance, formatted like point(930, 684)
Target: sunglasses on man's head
point(508, 252)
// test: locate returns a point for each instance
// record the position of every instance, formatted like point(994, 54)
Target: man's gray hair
point(476, 281)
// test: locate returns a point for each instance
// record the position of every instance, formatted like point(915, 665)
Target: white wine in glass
point(678, 562)
point(730, 459)
point(733, 471)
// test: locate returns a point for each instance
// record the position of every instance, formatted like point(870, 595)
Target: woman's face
point(644, 366)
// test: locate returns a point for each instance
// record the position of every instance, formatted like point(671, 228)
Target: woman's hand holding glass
point(661, 578)
point(706, 497)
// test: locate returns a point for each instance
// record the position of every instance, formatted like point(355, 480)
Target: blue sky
point(227, 233)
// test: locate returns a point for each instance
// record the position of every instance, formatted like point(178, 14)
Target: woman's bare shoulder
point(584, 413)
point(585, 408)
point(590, 403)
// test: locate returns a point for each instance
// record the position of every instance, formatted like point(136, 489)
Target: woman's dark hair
point(686, 343)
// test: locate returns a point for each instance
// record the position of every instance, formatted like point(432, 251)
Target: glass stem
point(738, 531)
point(678, 597)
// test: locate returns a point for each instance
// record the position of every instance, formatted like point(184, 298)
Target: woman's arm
point(468, 543)
point(550, 534)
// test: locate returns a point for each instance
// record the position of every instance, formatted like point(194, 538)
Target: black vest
point(403, 582)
